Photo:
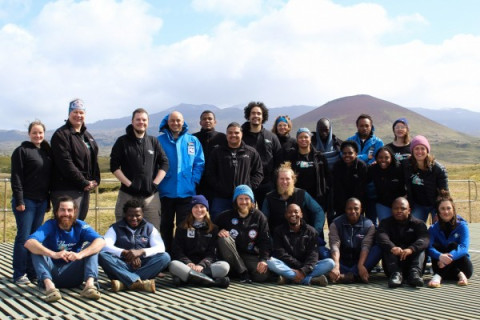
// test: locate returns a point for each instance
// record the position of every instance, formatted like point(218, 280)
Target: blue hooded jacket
point(185, 156)
point(372, 144)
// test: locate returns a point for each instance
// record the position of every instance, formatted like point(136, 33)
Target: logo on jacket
point(233, 233)
point(267, 141)
point(191, 148)
point(191, 233)
point(234, 221)
point(252, 234)
point(416, 180)
point(150, 151)
point(456, 235)
point(144, 239)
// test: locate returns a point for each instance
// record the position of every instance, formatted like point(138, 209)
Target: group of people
point(251, 203)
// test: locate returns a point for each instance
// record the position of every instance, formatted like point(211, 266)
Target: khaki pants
point(151, 209)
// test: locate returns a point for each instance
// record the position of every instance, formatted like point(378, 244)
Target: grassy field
point(104, 216)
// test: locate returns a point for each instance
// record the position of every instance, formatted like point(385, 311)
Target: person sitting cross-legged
point(134, 252)
point(59, 256)
point(295, 253)
point(352, 244)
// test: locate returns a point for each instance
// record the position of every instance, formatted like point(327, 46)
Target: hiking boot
point(117, 285)
point(143, 285)
point(222, 282)
point(415, 280)
point(321, 281)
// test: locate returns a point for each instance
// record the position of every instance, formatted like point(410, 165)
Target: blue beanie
point(402, 120)
point(302, 130)
point(243, 189)
point(199, 199)
point(76, 104)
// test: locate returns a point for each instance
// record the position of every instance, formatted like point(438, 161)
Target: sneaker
point(245, 278)
point(321, 281)
point(117, 285)
point(143, 285)
point(435, 282)
point(177, 282)
point(415, 280)
point(22, 280)
point(395, 280)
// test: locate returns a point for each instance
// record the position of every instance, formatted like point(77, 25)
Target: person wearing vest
point(134, 252)
point(352, 238)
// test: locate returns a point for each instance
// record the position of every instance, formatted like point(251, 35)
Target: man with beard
point(265, 142)
point(295, 253)
point(229, 166)
point(244, 238)
point(285, 194)
point(352, 238)
point(368, 145)
point(403, 239)
point(209, 138)
point(134, 252)
point(140, 163)
point(58, 255)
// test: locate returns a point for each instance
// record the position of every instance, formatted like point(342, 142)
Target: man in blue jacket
point(368, 145)
point(186, 165)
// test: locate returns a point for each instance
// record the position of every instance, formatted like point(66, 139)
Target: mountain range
point(441, 127)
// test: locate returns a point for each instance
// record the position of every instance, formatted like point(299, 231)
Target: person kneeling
point(134, 252)
point(194, 249)
point(295, 252)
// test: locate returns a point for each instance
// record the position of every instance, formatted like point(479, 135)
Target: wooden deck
point(256, 301)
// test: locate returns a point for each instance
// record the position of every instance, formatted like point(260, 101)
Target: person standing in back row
point(265, 142)
point(76, 171)
point(185, 156)
point(140, 163)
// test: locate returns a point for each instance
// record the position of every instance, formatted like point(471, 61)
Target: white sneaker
point(22, 280)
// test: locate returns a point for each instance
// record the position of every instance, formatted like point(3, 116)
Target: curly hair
point(254, 104)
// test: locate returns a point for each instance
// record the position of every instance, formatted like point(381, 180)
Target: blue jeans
point(65, 275)
point(219, 205)
point(118, 269)
point(373, 257)
point(281, 268)
point(421, 212)
point(383, 212)
point(27, 222)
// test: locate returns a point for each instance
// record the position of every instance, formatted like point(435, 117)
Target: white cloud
point(305, 52)
point(229, 7)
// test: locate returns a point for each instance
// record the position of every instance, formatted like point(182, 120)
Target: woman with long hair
point(424, 177)
point(30, 181)
point(194, 250)
point(448, 248)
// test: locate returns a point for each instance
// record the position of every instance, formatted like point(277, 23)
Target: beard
point(66, 224)
point(286, 192)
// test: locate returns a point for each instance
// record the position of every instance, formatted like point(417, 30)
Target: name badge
point(191, 148)
point(191, 233)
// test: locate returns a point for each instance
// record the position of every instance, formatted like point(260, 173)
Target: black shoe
point(200, 278)
point(395, 280)
point(415, 280)
point(223, 282)
point(177, 282)
point(245, 278)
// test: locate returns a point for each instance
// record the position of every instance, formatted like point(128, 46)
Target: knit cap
point(302, 130)
point(199, 199)
point(419, 140)
point(402, 120)
point(76, 104)
point(243, 189)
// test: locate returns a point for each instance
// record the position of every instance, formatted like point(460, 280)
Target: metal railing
point(96, 196)
point(471, 184)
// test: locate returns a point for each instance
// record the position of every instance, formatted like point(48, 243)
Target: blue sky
point(121, 54)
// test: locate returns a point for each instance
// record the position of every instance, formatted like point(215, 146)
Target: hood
point(164, 126)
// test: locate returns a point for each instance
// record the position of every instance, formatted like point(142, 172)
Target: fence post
point(469, 203)
point(5, 209)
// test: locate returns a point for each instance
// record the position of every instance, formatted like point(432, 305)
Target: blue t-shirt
point(52, 237)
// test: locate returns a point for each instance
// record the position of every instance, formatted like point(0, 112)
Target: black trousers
point(450, 272)
point(173, 209)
